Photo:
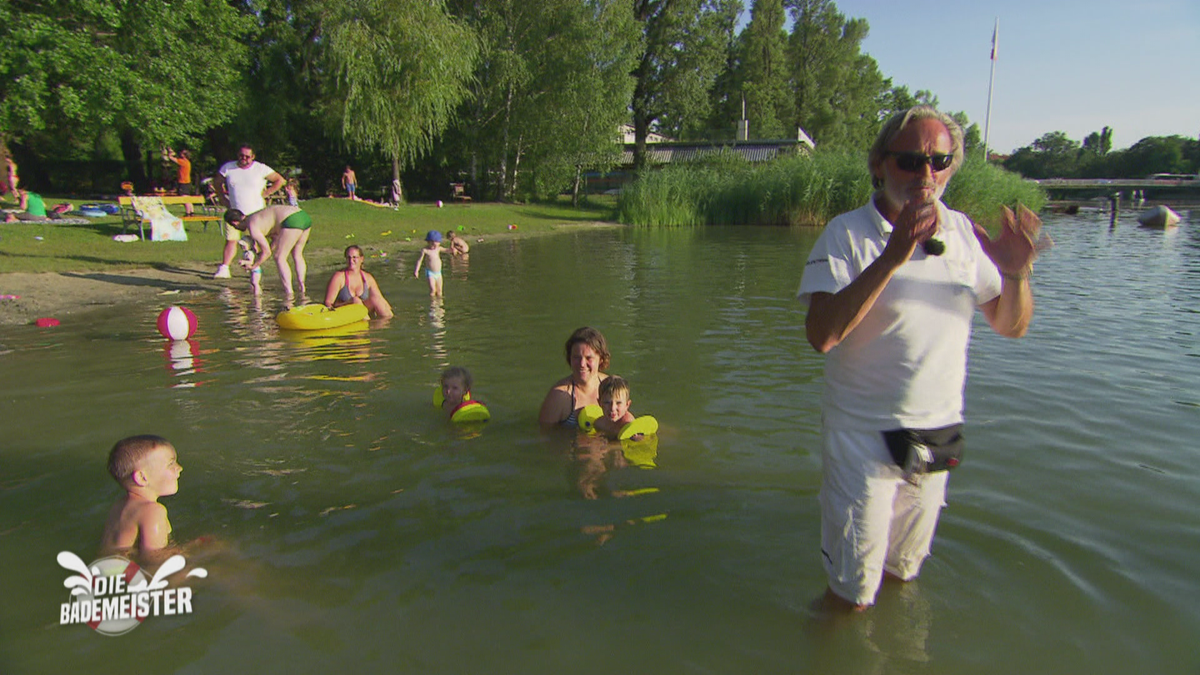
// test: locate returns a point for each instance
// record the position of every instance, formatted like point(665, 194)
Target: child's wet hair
point(127, 455)
point(458, 373)
point(615, 384)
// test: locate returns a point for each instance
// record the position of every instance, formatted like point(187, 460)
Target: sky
point(1074, 66)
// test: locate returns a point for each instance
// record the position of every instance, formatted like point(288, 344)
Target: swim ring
point(316, 316)
point(92, 213)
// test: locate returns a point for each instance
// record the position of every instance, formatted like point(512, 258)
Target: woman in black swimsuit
point(587, 354)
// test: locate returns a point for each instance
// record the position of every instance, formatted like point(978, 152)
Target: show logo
point(113, 596)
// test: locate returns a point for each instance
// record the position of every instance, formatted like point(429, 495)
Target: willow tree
point(400, 68)
point(551, 91)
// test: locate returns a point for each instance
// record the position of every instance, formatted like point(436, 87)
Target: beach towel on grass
point(163, 225)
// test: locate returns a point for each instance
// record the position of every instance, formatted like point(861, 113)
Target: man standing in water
point(891, 289)
point(243, 185)
point(289, 227)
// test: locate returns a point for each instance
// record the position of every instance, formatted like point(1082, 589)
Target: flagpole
point(987, 120)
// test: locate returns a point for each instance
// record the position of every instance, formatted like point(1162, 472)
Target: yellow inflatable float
point(319, 317)
point(645, 425)
point(467, 411)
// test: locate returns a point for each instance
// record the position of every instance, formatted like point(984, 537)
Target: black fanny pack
point(920, 451)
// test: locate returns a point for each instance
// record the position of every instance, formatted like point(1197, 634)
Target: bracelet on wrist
point(1021, 276)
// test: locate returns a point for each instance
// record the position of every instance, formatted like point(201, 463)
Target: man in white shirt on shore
point(243, 184)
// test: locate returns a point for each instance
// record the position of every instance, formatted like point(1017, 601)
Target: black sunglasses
point(913, 162)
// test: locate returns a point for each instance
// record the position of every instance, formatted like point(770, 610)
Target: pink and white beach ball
point(177, 323)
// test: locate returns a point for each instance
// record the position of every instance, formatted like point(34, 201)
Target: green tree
point(1156, 154)
point(837, 88)
point(764, 72)
point(583, 95)
point(400, 69)
point(972, 137)
point(899, 98)
point(1098, 142)
point(153, 72)
point(551, 90)
point(726, 93)
point(682, 53)
point(1054, 155)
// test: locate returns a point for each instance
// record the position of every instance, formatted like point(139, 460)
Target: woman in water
point(587, 354)
point(352, 285)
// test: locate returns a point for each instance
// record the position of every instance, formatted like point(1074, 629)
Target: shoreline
point(62, 295)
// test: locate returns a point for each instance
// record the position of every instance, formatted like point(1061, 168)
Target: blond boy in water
point(614, 401)
point(147, 468)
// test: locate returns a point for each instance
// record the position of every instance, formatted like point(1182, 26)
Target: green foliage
point(726, 190)
point(980, 188)
point(799, 190)
point(1099, 142)
point(764, 72)
point(551, 89)
point(1055, 155)
point(401, 68)
point(837, 88)
point(726, 93)
point(683, 50)
point(159, 71)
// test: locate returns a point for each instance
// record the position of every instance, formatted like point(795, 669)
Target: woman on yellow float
point(587, 354)
point(352, 285)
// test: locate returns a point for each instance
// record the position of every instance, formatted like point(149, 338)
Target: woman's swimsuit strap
point(572, 419)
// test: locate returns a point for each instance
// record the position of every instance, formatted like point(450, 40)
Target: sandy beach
point(71, 294)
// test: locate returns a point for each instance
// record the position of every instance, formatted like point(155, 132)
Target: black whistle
point(933, 247)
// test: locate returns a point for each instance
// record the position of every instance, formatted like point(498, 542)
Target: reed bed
point(808, 190)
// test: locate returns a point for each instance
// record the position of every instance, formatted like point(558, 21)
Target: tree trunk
point(516, 165)
point(502, 178)
point(641, 126)
point(131, 152)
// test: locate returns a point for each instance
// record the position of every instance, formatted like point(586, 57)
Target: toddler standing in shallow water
point(431, 255)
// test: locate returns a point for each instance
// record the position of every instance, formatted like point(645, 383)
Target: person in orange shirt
point(184, 180)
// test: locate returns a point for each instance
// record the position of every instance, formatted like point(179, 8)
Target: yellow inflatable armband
point(471, 411)
point(645, 425)
point(588, 417)
point(468, 411)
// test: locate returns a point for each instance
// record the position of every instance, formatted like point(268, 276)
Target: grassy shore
point(337, 223)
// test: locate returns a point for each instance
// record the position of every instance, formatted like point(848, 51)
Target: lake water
point(355, 532)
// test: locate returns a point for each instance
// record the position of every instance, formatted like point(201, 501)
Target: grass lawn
point(337, 223)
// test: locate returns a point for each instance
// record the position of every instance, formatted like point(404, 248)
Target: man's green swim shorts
point(297, 221)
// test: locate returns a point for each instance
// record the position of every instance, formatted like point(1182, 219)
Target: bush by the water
point(725, 189)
